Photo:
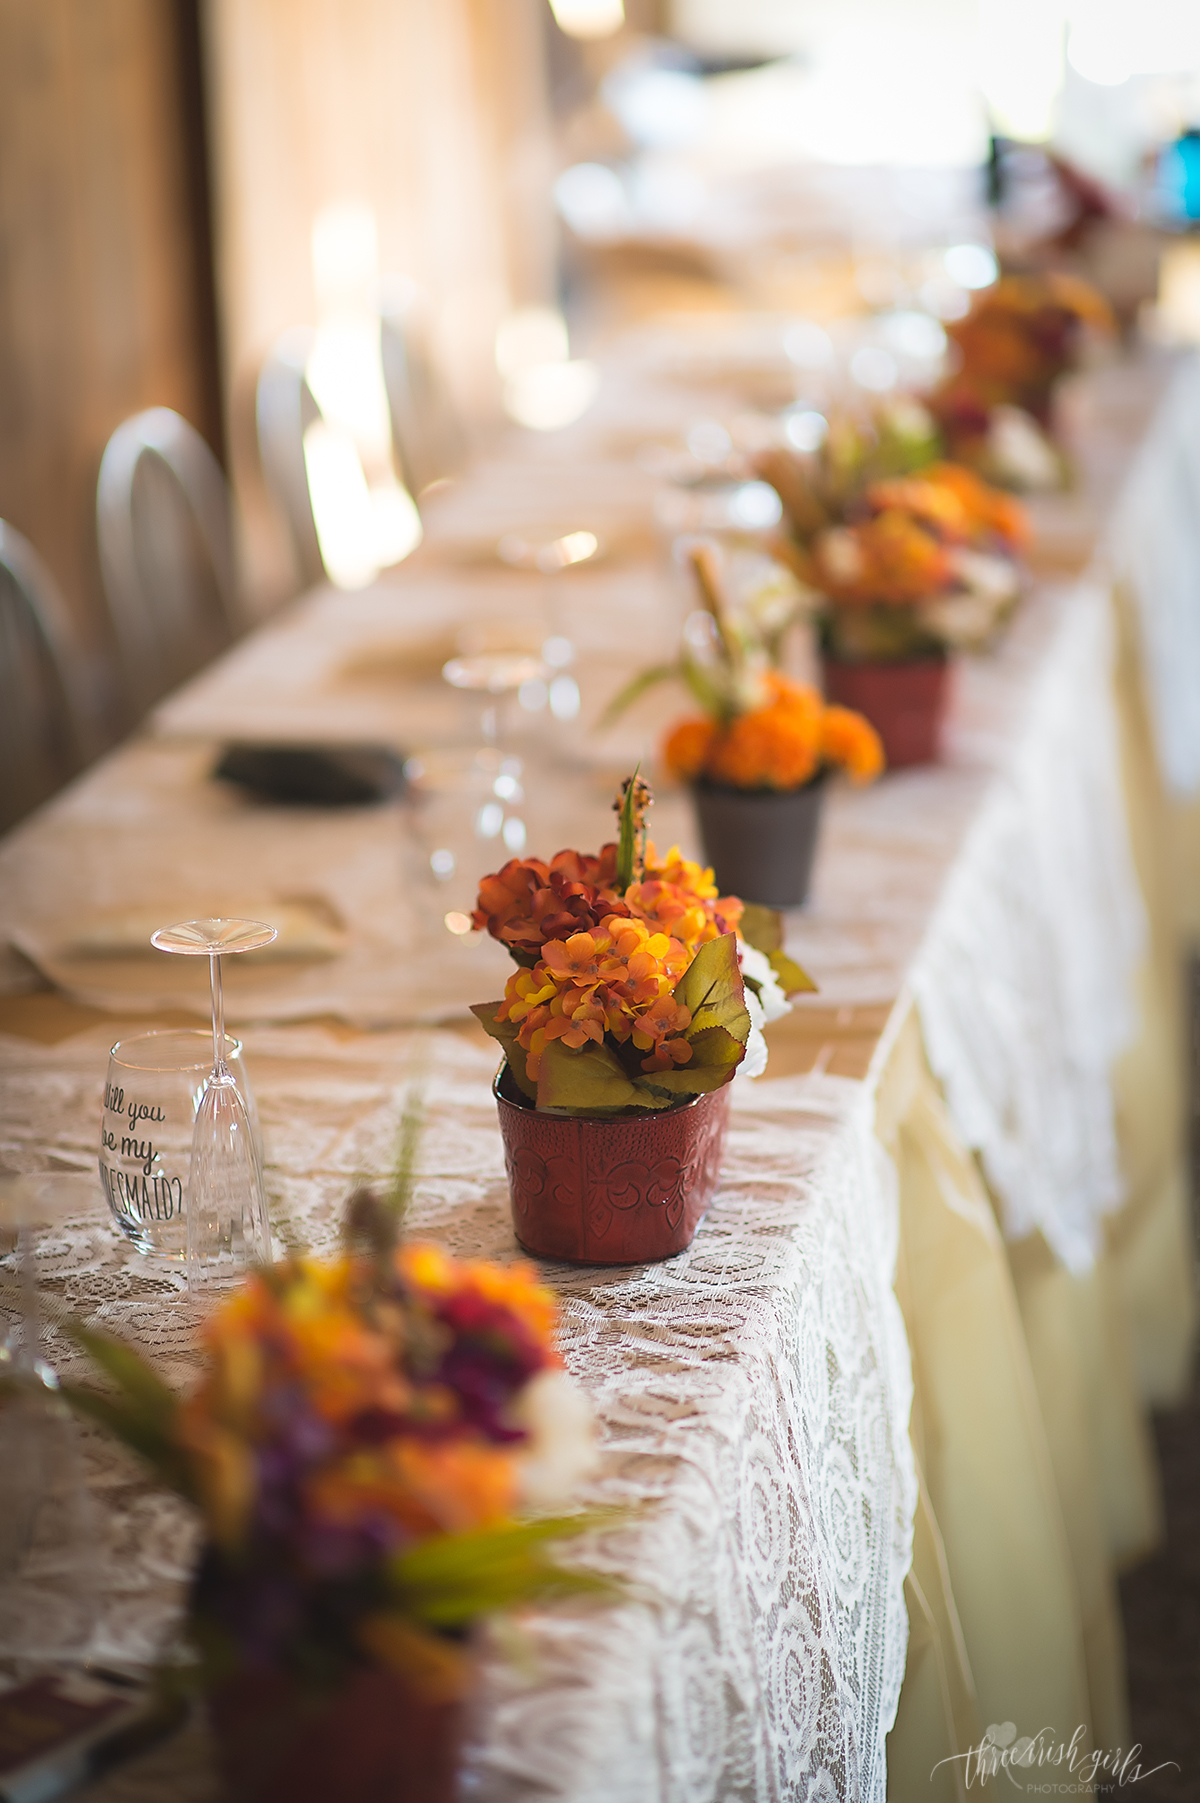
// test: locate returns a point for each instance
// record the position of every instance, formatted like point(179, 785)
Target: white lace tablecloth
point(1154, 546)
point(755, 1391)
point(757, 1387)
point(1024, 977)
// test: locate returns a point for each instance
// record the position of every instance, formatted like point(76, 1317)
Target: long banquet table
point(890, 1405)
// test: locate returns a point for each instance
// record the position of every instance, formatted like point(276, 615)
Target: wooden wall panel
point(103, 308)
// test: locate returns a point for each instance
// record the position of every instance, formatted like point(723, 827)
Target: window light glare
point(341, 504)
point(588, 18)
point(396, 524)
point(1020, 54)
point(346, 377)
point(345, 253)
point(1099, 56)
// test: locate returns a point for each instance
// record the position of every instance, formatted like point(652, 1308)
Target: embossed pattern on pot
point(618, 1191)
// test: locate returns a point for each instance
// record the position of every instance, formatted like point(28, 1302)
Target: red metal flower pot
point(905, 702)
point(761, 845)
point(618, 1191)
point(371, 1741)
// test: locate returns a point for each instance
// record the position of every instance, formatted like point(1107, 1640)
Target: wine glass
point(226, 1207)
point(466, 816)
point(495, 675)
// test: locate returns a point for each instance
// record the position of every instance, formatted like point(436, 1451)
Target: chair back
point(166, 554)
point(427, 432)
point(45, 726)
point(284, 409)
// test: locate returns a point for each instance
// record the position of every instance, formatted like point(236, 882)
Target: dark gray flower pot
point(761, 843)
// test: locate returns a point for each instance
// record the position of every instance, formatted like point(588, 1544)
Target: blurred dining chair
point(285, 408)
point(427, 432)
point(166, 554)
point(47, 729)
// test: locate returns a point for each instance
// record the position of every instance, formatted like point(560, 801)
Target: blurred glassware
point(496, 676)
point(226, 1205)
point(466, 817)
point(151, 1095)
point(740, 508)
point(522, 551)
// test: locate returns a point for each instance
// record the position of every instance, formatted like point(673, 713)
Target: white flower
point(767, 1005)
point(756, 964)
point(561, 1450)
point(755, 1061)
point(1019, 452)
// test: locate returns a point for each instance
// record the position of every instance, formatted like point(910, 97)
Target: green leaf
point(450, 1579)
point(711, 697)
point(627, 837)
point(151, 1442)
point(633, 691)
point(688, 1080)
point(793, 978)
point(504, 1032)
point(408, 1144)
point(761, 927)
point(589, 1081)
point(143, 1390)
point(715, 1048)
point(711, 990)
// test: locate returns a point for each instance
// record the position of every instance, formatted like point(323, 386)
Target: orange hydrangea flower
point(849, 740)
point(991, 513)
point(688, 745)
point(781, 746)
point(893, 558)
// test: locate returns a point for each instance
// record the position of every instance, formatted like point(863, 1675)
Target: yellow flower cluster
point(617, 979)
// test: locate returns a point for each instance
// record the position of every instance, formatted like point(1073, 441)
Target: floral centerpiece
point(904, 569)
point(364, 1436)
point(758, 753)
point(1020, 337)
point(634, 1003)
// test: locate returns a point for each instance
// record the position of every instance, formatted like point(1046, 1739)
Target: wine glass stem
point(218, 1010)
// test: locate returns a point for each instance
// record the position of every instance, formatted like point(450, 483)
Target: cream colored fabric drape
point(1032, 1385)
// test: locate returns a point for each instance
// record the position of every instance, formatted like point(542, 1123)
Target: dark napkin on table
point(323, 776)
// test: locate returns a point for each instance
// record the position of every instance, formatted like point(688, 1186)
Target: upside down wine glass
point(226, 1207)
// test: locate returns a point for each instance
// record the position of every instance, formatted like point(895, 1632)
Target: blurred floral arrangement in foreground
point(364, 1440)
